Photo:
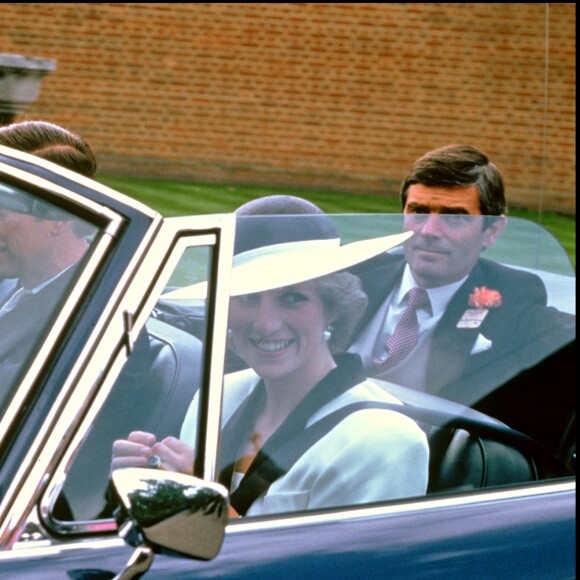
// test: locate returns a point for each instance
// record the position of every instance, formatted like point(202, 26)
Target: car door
point(92, 328)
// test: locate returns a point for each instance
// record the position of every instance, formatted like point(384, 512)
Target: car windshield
point(499, 304)
point(493, 318)
point(42, 251)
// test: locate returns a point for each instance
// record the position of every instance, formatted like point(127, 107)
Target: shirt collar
point(439, 297)
point(47, 282)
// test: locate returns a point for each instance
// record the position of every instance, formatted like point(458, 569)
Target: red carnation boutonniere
point(480, 300)
point(484, 298)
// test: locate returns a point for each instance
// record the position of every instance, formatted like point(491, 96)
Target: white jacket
point(371, 455)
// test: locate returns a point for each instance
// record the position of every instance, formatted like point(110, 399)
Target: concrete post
point(20, 79)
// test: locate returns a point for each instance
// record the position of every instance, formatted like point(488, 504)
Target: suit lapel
point(378, 283)
point(451, 346)
point(21, 327)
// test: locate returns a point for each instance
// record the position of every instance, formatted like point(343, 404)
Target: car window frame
point(111, 224)
point(175, 235)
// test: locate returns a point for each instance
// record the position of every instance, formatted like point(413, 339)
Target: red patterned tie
point(406, 333)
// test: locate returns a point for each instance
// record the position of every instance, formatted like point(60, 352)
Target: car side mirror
point(168, 510)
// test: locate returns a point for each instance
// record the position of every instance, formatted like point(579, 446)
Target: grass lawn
point(175, 198)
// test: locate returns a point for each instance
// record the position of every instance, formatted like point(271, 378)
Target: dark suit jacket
point(21, 329)
point(523, 329)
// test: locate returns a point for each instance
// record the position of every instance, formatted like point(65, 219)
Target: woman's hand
point(175, 455)
point(136, 450)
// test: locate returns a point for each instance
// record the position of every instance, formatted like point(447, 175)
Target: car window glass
point(43, 250)
point(152, 392)
point(483, 428)
point(506, 324)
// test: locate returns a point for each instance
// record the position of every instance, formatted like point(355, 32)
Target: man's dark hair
point(459, 166)
point(51, 142)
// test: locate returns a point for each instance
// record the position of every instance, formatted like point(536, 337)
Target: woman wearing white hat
point(291, 315)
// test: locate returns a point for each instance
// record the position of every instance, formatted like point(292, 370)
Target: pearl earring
point(327, 333)
point(229, 333)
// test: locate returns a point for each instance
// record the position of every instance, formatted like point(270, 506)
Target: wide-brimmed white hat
point(309, 248)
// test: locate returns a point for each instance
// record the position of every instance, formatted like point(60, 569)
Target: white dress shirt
point(371, 341)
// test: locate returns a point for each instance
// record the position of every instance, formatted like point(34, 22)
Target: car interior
point(469, 449)
point(521, 432)
point(156, 385)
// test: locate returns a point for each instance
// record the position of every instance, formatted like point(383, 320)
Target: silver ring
point(154, 461)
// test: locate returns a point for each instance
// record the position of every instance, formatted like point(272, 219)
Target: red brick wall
point(337, 96)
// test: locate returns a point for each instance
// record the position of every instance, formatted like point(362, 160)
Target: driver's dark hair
point(51, 142)
point(459, 166)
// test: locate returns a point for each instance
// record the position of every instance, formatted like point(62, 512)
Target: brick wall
point(336, 96)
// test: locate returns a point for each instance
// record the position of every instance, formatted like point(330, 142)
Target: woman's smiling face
point(279, 332)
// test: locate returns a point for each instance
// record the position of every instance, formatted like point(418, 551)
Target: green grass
point(175, 198)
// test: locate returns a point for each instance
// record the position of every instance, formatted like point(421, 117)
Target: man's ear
point(493, 231)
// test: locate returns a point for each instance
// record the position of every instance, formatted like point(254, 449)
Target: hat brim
point(281, 265)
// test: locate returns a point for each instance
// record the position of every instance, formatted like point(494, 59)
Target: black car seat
point(471, 450)
point(152, 394)
point(463, 460)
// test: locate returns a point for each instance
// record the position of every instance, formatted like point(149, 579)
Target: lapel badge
point(472, 318)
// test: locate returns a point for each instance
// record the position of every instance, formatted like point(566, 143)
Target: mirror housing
point(174, 511)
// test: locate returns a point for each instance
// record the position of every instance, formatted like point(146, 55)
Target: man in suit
point(482, 323)
point(40, 245)
point(53, 143)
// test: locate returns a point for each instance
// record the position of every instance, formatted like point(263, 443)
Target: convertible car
point(128, 342)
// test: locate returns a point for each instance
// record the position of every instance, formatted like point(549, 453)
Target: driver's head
point(51, 142)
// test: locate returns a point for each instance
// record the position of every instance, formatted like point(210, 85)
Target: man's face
point(23, 246)
point(447, 241)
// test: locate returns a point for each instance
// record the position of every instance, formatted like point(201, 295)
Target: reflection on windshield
point(41, 247)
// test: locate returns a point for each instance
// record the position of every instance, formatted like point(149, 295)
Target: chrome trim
point(138, 564)
point(206, 464)
point(42, 549)
point(81, 179)
point(413, 505)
